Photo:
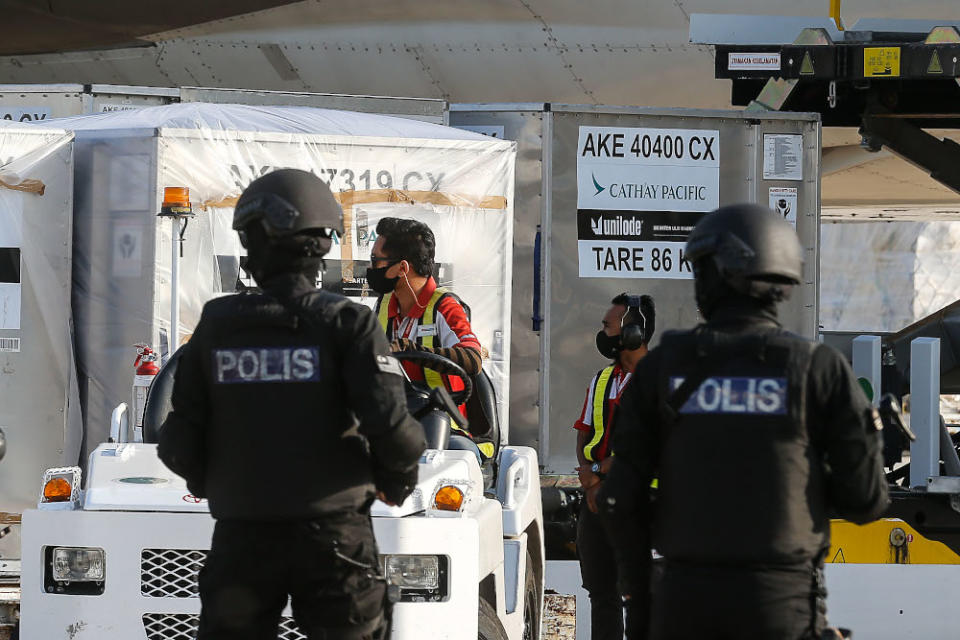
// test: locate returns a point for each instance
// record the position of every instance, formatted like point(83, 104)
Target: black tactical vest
point(287, 446)
point(741, 470)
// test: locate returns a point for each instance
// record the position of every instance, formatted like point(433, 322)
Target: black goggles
point(279, 217)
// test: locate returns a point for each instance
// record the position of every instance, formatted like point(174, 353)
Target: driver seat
point(482, 412)
point(160, 399)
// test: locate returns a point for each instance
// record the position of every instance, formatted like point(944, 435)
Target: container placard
point(639, 193)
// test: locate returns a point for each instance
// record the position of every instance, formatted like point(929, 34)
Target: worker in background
point(289, 416)
point(758, 437)
point(627, 328)
point(414, 312)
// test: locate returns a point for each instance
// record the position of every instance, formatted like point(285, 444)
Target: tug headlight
point(413, 572)
point(75, 571)
point(78, 564)
point(417, 578)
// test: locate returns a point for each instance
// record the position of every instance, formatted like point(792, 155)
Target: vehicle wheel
point(531, 603)
point(490, 627)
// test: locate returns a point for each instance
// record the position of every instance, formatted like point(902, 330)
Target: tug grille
point(170, 573)
point(183, 626)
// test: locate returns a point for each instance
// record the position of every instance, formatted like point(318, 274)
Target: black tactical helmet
point(754, 250)
point(288, 202)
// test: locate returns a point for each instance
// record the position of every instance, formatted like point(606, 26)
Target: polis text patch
point(277, 364)
point(752, 396)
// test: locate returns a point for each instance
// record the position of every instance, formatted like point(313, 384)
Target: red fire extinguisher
point(145, 369)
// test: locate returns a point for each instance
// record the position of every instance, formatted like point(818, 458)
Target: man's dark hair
point(409, 240)
point(646, 307)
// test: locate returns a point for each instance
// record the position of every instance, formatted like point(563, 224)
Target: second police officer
point(758, 437)
point(289, 416)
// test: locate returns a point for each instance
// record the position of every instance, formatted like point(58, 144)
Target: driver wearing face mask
point(414, 312)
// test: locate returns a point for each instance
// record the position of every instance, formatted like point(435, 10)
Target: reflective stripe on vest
point(599, 412)
point(383, 313)
point(433, 378)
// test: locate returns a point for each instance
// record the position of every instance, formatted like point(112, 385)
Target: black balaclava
point(714, 294)
point(299, 254)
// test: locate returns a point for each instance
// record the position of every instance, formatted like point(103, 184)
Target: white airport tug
point(114, 553)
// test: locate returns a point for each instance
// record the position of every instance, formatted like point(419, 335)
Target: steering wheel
point(440, 364)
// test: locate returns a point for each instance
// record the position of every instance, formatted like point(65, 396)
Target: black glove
point(618, 496)
point(396, 486)
point(197, 489)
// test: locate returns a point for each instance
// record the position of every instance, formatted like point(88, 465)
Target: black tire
point(489, 624)
point(531, 603)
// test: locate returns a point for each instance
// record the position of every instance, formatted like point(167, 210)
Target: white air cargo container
point(605, 199)
point(39, 401)
point(459, 183)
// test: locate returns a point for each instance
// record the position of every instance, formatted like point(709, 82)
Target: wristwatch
point(595, 467)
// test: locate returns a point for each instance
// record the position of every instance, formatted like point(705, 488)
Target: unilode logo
point(616, 226)
point(597, 185)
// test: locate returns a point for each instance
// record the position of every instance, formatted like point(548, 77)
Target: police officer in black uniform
point(758, 437)
point(289, 416)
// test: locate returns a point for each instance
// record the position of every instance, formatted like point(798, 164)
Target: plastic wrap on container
point(883, 276)
point(39, 399)
point(232, 117)
point(459, 183)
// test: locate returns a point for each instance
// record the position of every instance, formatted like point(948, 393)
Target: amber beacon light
point(176, 201)
point(448, 498)
point(57, 490)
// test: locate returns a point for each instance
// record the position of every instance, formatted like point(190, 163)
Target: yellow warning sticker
point(935, 66)
point(880, 62)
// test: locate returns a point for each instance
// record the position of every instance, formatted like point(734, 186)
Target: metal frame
point(925, 410)
point(527, 126)
point(939, 157)
point(77, 99)
point(843, 59)
point(866, 362)
point(426, 109)
point(546, 284)
point(41, 88)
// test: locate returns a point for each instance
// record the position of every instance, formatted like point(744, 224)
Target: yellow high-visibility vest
point(601, 416)
point(432, 378)
point(600, 412)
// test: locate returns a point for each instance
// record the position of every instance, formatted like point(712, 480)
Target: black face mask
point(378, 280)
point(608, 346)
